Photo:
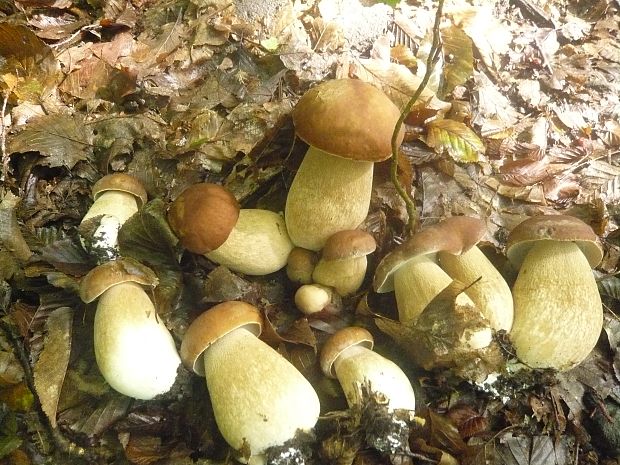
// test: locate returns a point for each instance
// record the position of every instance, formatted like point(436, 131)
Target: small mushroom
point(431, 259)
point(135, 352)
point(259, 399)
point(314, 298)
point(348, 125)
point(300, 265)
point(558, 310)
point(117, 197)
point(207, 219)
point(343, 261)
point(348, 356)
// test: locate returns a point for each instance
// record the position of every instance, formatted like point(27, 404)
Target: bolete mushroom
point(259, 399)
point(117, 197)
point(207, 220)
point(343, 261)
point(431, 259)
point(348, 125)
point(314, 298)
point(348, 356)
point(300, 265)
point(558, 310)
point(135, 352)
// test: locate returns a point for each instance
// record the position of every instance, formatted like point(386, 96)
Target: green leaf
point(459, 66)
point(455, 138)
point(63, 140)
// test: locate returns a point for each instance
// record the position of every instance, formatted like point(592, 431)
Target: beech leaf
point(458, 46)
point(455, 138)
point(51, 367)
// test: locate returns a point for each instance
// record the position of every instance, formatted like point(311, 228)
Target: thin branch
point(5, 156)
point(433, 55)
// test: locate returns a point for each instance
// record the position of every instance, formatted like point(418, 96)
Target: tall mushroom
point(348, 125)
point(558, 310)
point(413, 271)
point(135, 352)
point(348, 356)
point(117, 197)
point(259, 399)
point(207, 219)
point(343, 261)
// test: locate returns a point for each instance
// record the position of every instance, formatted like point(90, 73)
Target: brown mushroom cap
point(214, 324)
point(335, 117)
point(203, 216)
point(100, 279)
point(454, 235)
point(562, 228)
point(351, 243)
point(120, 182)
point(339, 342)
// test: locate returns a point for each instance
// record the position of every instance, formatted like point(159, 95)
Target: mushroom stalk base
point(358, 367)
point(558, 310)
point(259, 399)
point(329, 194)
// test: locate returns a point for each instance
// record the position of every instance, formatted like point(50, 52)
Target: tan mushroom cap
point(335, 117)
point(562, 228)
point(121, 182)
point(340, 341)
point(454, 235)
point(214, 324)
point(351, 243)
point(100, 279)
point(203, 216)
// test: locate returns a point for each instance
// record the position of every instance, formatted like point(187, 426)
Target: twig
point(5, 156)
point(430, 62)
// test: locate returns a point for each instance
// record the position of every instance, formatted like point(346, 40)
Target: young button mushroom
point(348, 356)
point(348, 125)
point(207, 219)
point(134, 350)
point(414, 271)
point(117, 197)
point(558, 310)
point(343, 261)
point(314, 298)
point(300, 265)
point(259, 399)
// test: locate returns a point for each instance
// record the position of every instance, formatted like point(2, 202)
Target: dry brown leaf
point(454, 138)
point(50, 369)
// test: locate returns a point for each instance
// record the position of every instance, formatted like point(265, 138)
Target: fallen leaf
point(51, 367)
point(10, 235)
point(454, 138)
point(459, 65)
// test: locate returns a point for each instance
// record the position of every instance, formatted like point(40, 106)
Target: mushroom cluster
point(207, 220)
point(558, 310)
point(135, 352)
point(259, 399)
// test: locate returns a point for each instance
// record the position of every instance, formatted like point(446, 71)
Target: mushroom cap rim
point(120, 182)
point(339, 342)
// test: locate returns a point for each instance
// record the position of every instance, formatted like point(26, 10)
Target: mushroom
point(117, 197)
point(259, 399)
point(558, 310)
point(135, 352)
point(300, 265)
point(348, 125)
point(207, 219)
point(348, 356)
point(314, 298)
point(431, 259)
point(343, 261)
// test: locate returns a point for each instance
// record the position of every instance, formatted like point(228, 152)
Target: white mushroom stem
point(258, 244)
point(345, 276)
point(115, 207)
point(490, 292)
point(358, 367)
point(416, 283)
point(134, 350)
point(558, 310)
point(329, 194)
point(259, 399)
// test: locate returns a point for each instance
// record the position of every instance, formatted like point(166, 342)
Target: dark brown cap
point(203, 216)
point(348, 118)
point(553, 228)
point(454, 235)
point(340, 341)
point(120, 182)
point(100, 279)
point(214, 324)
point(351, 243)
